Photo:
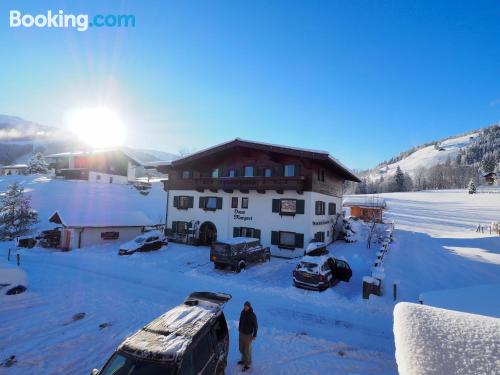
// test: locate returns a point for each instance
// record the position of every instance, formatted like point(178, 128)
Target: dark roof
point(322, 156)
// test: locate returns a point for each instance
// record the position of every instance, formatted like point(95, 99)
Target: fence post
point(8, 256)
point(395, 291)
point(18, 256)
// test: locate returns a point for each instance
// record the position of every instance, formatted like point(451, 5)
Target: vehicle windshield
point(121, 365)
point(309, 266)
point(140, 240)
point(221, 248)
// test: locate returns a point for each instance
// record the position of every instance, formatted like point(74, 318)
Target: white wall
point(259, 215)
point(104, 178)
point(92, 236)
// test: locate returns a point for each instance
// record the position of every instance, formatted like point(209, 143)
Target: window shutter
point(297, 170)
point(330, 209)
point(256, 233)
point(202, 202)
point(190, 202)
point(299, 240)
point(276, 205)
point(219, 203)
point(334, 208)
point(176, 201)
point(174, 226)
point(300, 206)
point(275, 238)
point(236, 231)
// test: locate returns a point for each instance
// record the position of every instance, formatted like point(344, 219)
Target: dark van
point(238, 252)
point(192, 338)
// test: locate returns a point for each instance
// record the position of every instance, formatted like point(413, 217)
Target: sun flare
point(98, 127)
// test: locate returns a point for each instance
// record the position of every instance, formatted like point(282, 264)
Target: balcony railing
point(238, 183)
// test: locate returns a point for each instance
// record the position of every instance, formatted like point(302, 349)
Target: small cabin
point(13, 170)
point(490, 178)
point(366, 208)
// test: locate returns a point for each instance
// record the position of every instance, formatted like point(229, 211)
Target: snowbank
point(13, 276)
point(431, 340)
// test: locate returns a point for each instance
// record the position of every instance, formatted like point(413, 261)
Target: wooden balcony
point(260, 183)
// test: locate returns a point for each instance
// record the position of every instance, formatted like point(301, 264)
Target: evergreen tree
point(16, 214)
point(37, 164)
point(488, 163)
point(399, 180)
point(472, 187)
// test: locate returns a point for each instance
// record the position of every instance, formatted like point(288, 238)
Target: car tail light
point(322, 278)
point(214, 258)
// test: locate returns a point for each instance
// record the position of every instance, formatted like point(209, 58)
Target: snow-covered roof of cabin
point(13, 166)
point(237, 240)
point(167, 337)
point(94, 217)
point(430, 340)
point(365, 201)
point(474, 299)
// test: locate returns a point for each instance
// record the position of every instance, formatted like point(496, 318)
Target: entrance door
point(207, 234)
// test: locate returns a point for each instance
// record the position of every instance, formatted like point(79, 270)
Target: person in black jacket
point(248, 332)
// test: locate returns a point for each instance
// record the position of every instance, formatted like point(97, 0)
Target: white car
point(149, 241)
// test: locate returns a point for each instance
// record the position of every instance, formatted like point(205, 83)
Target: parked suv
point(192, 338)
point(320, 272)
point(238, 252)
point(148, 241)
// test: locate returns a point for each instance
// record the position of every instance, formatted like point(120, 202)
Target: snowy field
point(301, 332)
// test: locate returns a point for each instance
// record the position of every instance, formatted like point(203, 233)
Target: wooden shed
point(366, 208)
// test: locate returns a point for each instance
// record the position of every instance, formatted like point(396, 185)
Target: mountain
point(20, 138)
point(448, 163)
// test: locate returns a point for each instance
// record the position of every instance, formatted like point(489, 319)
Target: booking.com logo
point(80, 22)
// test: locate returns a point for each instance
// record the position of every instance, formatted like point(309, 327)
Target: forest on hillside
point(482, 156)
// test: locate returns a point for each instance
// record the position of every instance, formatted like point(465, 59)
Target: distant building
point(490, 178)
point(366, 208)
point(82, 228)
point(107, 166)
point(16, 169)
point(285, 196)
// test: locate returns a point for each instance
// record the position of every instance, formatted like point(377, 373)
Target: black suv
point(192, 338)
point(238, 252)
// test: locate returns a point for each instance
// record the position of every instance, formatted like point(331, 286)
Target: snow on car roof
point(314, 246)
point(431, 340)
point(238, 240)
point(168, 336)
point(315, 259)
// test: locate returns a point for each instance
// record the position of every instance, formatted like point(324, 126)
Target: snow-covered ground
point(301, 332)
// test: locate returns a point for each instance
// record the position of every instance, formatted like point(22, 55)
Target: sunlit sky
point(363, 80)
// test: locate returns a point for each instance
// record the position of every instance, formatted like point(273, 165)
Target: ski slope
point(426, 157)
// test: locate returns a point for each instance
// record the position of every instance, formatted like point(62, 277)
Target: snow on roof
point(431, 340)
point(315, 259)
point(13, 166)
point(475, 299)
point(167, 337)
point(315, 246)
point(365, 201)
point(238, 240)
point(93, 217)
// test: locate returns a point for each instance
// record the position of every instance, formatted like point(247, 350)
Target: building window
point(210, 203)
point(111, 180)
point(287, 239)
point(234, 202)
point(246, 232)
point(244, 202)
point(183, 202)
point(98, 177)
point(320, 208)
point(268, 172)
point(248, 171)
point(231, 172)
point(186, 175)
point(319, 236)
point(180, 227)
point(288, 207)
point(332, 208)
point(321, 174)
point(215, 173)
point(110, 235)
point(289, 170)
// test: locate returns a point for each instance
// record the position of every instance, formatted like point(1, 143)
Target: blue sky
point(361, 79)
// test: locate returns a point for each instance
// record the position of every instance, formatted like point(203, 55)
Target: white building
point(285, 196)
point(15, 170)
point(82, 228)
